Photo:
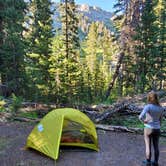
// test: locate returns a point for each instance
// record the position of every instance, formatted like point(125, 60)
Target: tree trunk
point(115, 75)
point(1, 37)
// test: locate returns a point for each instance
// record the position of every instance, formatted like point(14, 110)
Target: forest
point(67, 81)
point(42, 64)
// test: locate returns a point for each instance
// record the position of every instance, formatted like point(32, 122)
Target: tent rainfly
point(66, 127)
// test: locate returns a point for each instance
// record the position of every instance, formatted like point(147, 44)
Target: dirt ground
point(116, 149)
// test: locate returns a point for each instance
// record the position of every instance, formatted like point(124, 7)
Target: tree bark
point(115, 75)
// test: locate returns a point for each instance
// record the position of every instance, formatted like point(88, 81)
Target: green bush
point(2, 104)
point(16, 103)
point(29, 114)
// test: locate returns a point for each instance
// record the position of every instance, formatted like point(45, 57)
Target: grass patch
point(130, 121)
point(28, 115)
point(163, 125)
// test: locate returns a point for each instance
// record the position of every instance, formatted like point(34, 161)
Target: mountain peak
point(94, 13)
point(97, 8)
point(87, 8)
point(83, 7)
point(87, 15)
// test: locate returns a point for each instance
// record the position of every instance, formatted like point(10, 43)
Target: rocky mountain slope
point(87, 14)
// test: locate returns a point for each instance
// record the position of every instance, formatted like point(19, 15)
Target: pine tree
point(1, 31)
point(91, 60)
point(108, 49)
point(97, 59)
point(146, 49)
point(41, 27)
point(91, 47)
point(161, 45)
point(40, 40)
point(122, 20)
point(71, 49)
point(57, 71)
point(12, 44)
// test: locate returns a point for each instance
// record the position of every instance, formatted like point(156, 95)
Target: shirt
point(152, 114)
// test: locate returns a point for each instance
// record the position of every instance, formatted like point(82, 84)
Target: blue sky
point(104, 4)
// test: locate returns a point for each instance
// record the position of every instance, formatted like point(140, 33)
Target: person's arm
point(142, 115)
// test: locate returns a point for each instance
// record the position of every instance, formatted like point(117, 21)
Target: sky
point(104, 4)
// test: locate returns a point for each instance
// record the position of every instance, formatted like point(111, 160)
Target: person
point(151, 117)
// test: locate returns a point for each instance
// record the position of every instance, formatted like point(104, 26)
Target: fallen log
point(132, 109)
point(128, 104)
point(124, 129)
point(127, 107)
point(23, 119)
point(119, 128)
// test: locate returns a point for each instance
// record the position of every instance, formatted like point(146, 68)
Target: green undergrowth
point(130, 121)
point(32, 115)
point(163, 125)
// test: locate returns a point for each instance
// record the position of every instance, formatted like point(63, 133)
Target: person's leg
point(147, 138)
point(155, 138)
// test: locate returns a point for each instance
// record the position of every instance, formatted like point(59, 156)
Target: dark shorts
point(151, 132)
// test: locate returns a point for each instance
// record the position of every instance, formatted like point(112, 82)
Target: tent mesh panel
point(74, 132)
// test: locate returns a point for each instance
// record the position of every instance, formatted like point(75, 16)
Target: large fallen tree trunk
point(129, 105)
point(126, 107)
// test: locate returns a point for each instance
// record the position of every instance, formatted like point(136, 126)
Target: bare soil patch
point(116, 149)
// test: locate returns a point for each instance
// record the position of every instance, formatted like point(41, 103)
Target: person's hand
point(145, 121)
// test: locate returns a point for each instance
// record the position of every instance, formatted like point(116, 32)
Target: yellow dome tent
point(67, 127)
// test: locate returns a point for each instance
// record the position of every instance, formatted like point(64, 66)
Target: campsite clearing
point(116, 149)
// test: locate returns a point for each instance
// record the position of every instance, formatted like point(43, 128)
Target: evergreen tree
point(56, 70)
point(1, 31)
point(42, 33)
point(122, 20)
point(98, 60)
point(40, 39)
point(160, 66)
point(91, 46)
point(146, 49)
point(109, 48)
point(71, 50)
point(12, 43)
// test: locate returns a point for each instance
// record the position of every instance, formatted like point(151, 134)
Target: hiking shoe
point(154, 163)
point(146, 163)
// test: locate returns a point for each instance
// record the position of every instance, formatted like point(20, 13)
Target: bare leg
point(147, 138)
